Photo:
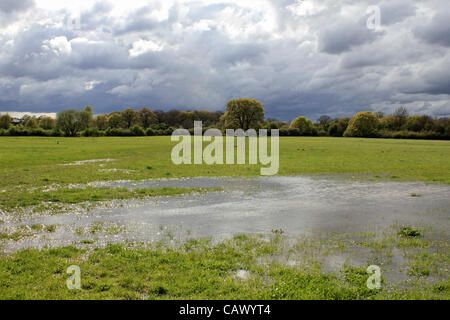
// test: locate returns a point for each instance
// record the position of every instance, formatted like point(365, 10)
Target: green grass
point(14, 199)
point(200, 269)
point(37, 161)
point(409, 232)
point(195, 269)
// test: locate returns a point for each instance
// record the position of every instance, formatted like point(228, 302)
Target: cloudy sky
point(309, 57)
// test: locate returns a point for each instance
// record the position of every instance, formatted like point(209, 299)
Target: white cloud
point(59, 45)
point(89, 85)
point(142, 46)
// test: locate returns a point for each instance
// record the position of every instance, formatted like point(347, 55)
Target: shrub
point(93, 132)
point(150, 132)
point(137, 131)
point(404, 134)
point(293, 132)
point(17, 131)
point(168, 131)
point(363, 124)
point(39, 132)
point(56, 133)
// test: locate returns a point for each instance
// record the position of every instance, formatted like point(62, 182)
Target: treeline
point(129, 122)
point(239, 113)
point(399, 125)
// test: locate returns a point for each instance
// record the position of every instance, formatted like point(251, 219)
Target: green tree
point(84, 119)
point(147, 117)
point(115, 120)
point(101, 122)
point(419, 123)
point(31, 123)
point(71, 121)
point(47, 123)
point(303, 125)
point(66, 122)
point(5, 121)
point(363, 124)
point(243, 113)
point(129, 117)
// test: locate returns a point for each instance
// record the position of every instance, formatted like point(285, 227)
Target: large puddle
point(296, 205)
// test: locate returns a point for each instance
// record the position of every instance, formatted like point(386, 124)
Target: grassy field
point(36, 162)
point(54, 170)
point(239, 268)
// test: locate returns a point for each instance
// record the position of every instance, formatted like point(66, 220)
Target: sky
point(309, 57)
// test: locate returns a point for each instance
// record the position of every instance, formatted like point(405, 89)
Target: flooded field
point(293, 205)
point(327, 223)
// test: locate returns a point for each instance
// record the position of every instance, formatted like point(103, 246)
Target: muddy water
point(297, 205)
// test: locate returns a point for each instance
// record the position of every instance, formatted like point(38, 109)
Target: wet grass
point(14, 199)
point(22, 232)
point(196, 269)
point(409, 232)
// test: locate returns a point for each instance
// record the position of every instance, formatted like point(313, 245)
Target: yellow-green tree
point(243, 114)
point(363, 124)
point(303, 125)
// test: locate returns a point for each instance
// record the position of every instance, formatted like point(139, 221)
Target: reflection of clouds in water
point(297, 205)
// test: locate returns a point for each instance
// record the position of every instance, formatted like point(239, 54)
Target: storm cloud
point(309, 57)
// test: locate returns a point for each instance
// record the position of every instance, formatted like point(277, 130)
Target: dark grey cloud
point(336, 39)
point(436, 31)
point(396, 11)
point(9, 6)
point(11, 10)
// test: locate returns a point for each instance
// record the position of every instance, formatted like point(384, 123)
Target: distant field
point(37, 162)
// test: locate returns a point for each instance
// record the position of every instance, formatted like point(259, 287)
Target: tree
point(172, 117)
point(101, 122)
point(129, 117)
point(147, 117)
point(115, 120)
point(363, 124)
point(419, 123)
point(243, 113)
point(67, 122)
point(5, 121)
point(47, 123)
point(88, 109)
point(379, 114)
point(31, 123)
point(401, 112)
point(324, 120)
point(303, 125)
point(400, 115)
point(84, 119)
